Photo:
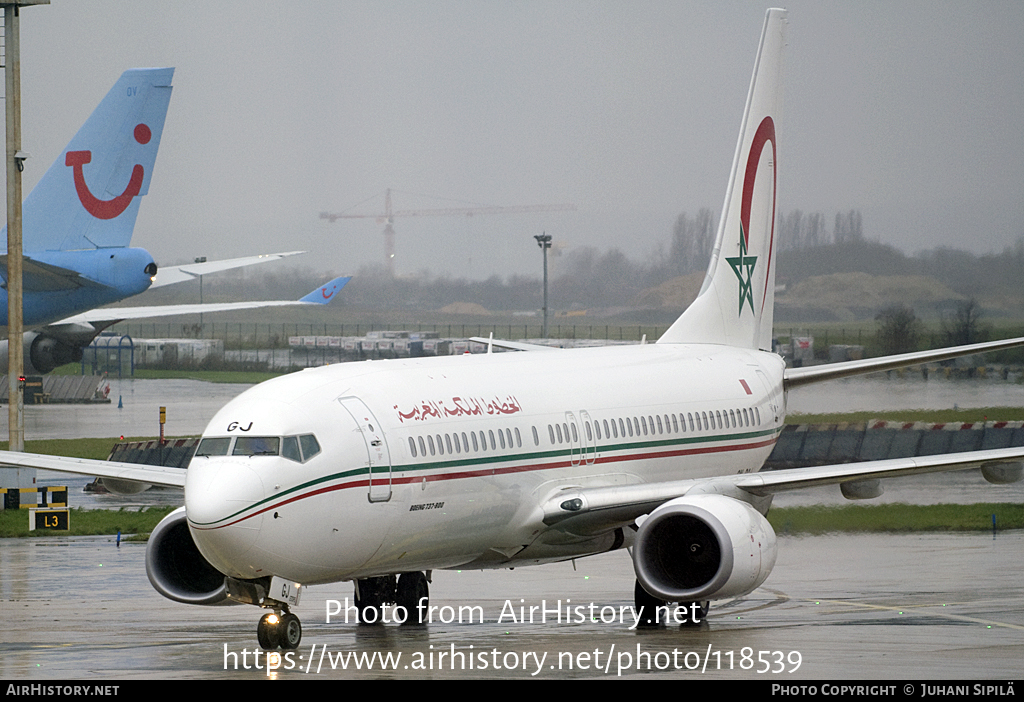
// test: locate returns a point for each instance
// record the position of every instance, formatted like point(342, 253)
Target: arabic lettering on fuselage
point(459, 407)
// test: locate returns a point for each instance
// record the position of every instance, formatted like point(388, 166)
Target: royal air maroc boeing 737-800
point(381, 472)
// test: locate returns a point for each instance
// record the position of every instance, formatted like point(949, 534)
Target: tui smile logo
point(107, 209)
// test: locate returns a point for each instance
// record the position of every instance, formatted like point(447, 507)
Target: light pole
point(200, 259)
point(15, 165)
point(544, 242)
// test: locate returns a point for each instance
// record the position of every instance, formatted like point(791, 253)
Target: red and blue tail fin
point(89, 198)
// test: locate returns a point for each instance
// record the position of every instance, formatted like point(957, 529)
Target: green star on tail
point(743, 267)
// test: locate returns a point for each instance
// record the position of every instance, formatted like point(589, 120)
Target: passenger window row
point(481, 441)
point(656, 424)
point(456, 443)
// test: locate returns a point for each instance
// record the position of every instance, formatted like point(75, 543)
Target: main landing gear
point(383, 600)
point(685, 614)
point(279, 629)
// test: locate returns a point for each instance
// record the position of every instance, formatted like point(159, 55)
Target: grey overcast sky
point(911, 112)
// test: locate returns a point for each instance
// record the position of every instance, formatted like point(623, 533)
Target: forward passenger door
point(378, 457)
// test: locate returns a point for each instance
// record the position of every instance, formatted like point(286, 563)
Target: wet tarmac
point(134, 410)
point(835, 607)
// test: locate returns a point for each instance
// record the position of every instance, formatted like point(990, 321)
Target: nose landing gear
point(277, 629)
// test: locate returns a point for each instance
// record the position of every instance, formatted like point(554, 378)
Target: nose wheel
point(279, 630)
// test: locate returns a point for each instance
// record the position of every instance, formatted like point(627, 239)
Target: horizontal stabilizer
point(512, 345)
point(170, 275)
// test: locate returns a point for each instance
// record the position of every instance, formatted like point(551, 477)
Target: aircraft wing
point(795, 377)
point(106, 316)
point(133, 472)
point(190, 271)
point(593, 510)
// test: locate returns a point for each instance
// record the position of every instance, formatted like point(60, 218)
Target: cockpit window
point(290, 449)
point(214, 447)
point(295, 448)
point(310, 446)
point(256, 446)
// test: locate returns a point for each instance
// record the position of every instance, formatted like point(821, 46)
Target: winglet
point(325, 293)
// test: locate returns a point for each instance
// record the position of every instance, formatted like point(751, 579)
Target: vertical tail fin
point(89, 198)
point(736, 301)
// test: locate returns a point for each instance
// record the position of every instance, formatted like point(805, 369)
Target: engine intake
point(43, 353)
point(176, 568)
point(703, 547)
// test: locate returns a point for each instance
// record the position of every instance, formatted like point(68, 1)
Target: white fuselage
point(444, 462)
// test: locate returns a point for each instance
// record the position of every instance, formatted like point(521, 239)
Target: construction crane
point(388, 218)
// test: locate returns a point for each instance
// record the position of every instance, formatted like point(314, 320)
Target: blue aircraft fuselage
point(68, 282)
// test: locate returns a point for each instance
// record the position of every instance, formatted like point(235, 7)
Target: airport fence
point(240, 335)
point(273, 346)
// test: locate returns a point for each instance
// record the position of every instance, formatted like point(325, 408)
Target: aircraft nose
point(222, 502)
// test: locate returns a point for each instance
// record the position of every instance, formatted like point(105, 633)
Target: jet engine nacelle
point(703, 547)
point(176, 568)
point(42, 353)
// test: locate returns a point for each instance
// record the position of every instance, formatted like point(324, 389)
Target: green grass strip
point(209, 376)
point(97, 449)
point(896, 517)
point(891, 518)
point(88, 522)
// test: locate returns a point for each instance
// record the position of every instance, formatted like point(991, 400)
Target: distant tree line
point(588, 278)
point(799, 230)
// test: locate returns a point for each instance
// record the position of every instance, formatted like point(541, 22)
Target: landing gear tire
point(371, 596)
point(647, 604)
point(279, 630)
point(412, 589)
point(289, 631)
point(267, 631)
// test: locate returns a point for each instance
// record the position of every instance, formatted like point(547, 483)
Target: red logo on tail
point(107, 209)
